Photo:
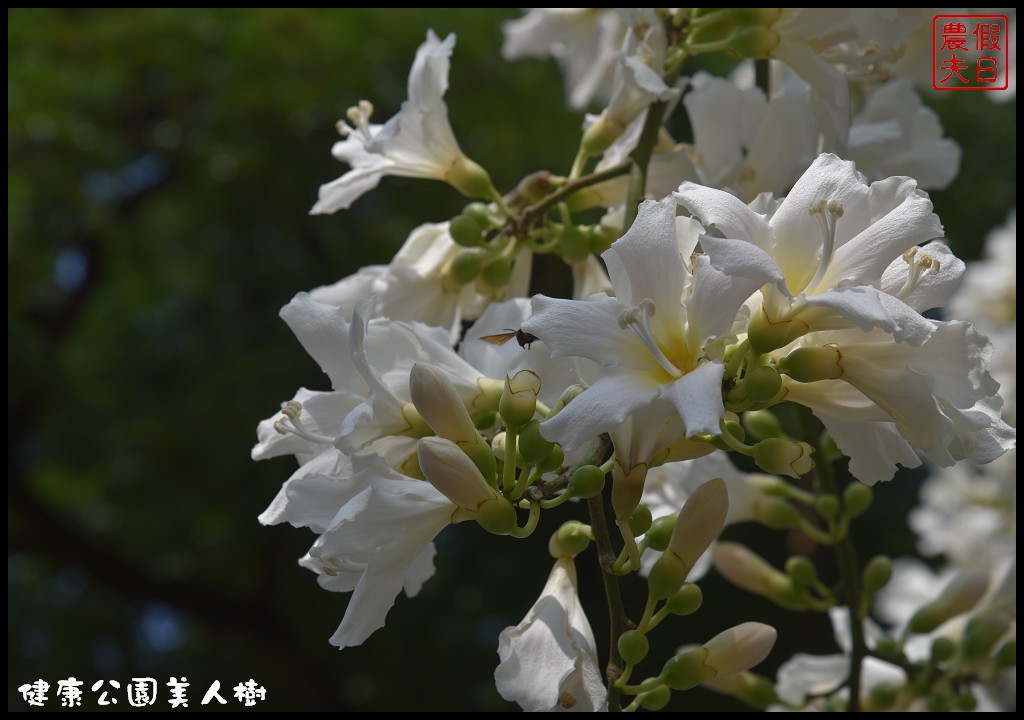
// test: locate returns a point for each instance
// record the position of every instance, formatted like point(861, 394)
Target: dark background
point(160, 167)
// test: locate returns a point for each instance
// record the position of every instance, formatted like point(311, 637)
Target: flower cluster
point(745, 300)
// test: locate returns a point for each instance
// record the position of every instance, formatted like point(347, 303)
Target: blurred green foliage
point(160, 166)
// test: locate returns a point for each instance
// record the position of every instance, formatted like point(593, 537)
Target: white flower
point(895, 134)
point(549, 660)
point(657, 337)
point(417, 142)
point(583, 41)
point(380, 541)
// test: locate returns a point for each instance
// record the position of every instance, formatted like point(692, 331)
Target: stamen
point(921, 266)
point(638, 321)
point(828, 213)
point(291, 423)
point(359, 116)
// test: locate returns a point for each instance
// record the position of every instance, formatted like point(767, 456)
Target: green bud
point(535, 186)
point(553, 461)
point(775, 513)
point(601, 238)
point(495, 275)
point(784, 457)
point(519, 398)
point(983, 632)
point(497, 516)
point(687, 670)
point(762, 424)
point(570, 540)
point(462, 270)
point(712, 33)
point(485, 420)
point(966, 701)
point(466, 231)
point(627, 489)
point(763, 383)
point(1006, 656)
point(886, 646)
point(943, 649)
point(828, 506)
point(660, 533)
point(939, 702)
point(640, 521)
point(763, 17)
point(667, 575)
point(735, 429)
point(573, 244)
point(877, 574)
point(686, 600)
point(532, 445)
point(857, 499)
point(587, 482)
point(655, 699)
point(765, 336)
point(810, 364)
point(882, 696)
point(480, 213)
point(601, 134)
point(754, 42)
point(633, 646)
point(750, 571)
point(801, 571)
point(470, 179)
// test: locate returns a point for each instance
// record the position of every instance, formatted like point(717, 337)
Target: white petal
point(804, 675)
point(314, 493)
point(726, 213)
point(933, 289)
point(697, 396)
point(339, 194)
point(323, 331)
point(717, 298)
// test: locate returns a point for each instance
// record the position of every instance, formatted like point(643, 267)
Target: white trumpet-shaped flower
point(549, 660)
point(417, 142)
point(659, 337)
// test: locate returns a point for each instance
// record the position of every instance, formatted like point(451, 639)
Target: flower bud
point(470, 179)
point(801, 571)
point(765, 336)
point(687, 670)
point(877, 574)
point(828, 506)
point(586, 482)
point(600, 135)
point(763, 383)
point(983, 632)
point(660, 533)
point(784, 457)
point(655, 699)
point(740, 648)
point(775, 513)
point(573, 244)
point(438, 402)
point(1006, 656)
point(536, 186)
point(810, 364)
point(497, 516)
point(532, 445)
point(744, 568)
point(570, 540)
point(466, 231)
point(753, 690)
point(686, 600)
point(754, 42)
point(960, 595)
point(449, 470)
point(640, 520)
point(494, 275)
point(763, 17)
point(699, 523)
point(882, 696)
point(943, 649)
point(633, 646)
point(857, 499)
point(462, 270)
point(519, 399)
point(762, 424)
point(553, 461)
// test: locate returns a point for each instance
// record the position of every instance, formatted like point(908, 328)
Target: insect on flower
point(524, 339)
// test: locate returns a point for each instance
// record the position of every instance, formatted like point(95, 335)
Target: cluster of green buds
point(744, 31)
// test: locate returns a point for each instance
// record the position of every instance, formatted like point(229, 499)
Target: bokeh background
point(160, 167)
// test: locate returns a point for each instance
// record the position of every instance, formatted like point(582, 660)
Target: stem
point(641, 159)
point(508, 482)
point(617, 620)
point(846, 556)
point(531, 523)
point(578, 164)
point(542, 206)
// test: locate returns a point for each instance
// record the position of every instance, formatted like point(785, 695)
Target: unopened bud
point(660, 534)
point(784, 457)
point(586, 482)
point(960, 595)
point(466, 231)
point(687, 670)
point(686, 600)
point(462, 270)
point(983, 632)
point(810, 364)
point(740, 648)
point(828, 506)
point(640, 520)
point(943, 649)
point(699, 523)
point(748, 570)
point(801, 571)
point(753, 690)
point(857, 499)
point(882, 696)
point(532, 445)
point(570, 540)
point(438, 402)
point(1006, 656)
point(754, 42)
point(494, 275)
point(763, 383)
point(600, 135)
point(765, 335)
point(469, 178)
point(573, 244)
point(763, 17)
point(519, 399)
point(633, 646)
point(655, 699)
point(775, 513)
point(877, 574)
point(449, 470)
point(553, 461)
